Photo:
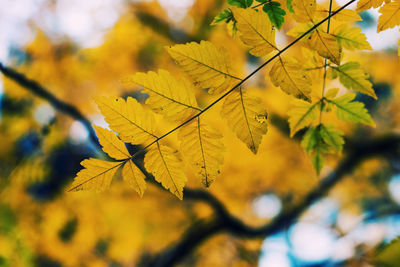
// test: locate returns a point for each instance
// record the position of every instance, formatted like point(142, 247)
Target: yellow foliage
point(247, 118)
point(256, 31)
point(207, 65)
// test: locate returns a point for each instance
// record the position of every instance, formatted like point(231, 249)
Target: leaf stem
point(325, 65)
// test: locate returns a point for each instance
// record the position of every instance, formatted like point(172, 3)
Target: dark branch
point(223, 221)
point(42, 92)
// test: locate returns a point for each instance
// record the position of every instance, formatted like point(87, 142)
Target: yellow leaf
point(300, 29)
point(345, 15)
point(302, 114)
point(353, 77)
point(326, 45)
point(367, 4)
point(97, 175)
point(168, 96)
point(390, 16)
point(351, 37)
point(304, 10)
point(207, 65)
point(128, 118)
point(246, 116)
point(256, 31)
point(203, 148)
point(111, 144)
point(291, 77)
point(134, 177)
point(167, 169)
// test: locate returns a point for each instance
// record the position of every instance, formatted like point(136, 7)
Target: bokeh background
point(81, 49)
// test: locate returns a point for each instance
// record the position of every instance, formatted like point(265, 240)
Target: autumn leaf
point(367, 4)
point(134, 177)
point(96, 175)
point(111, 144)
point(209, 66)
point(346, 15)
point(256, 31)
point(167, 169)
point(326, 45)
point(353, 77)
point(174, 98)
point(351, 111)
point(203, 148)
point(128, 118)
point(351, 37)
point(304, 10)
point(290, 76)
point(302, 114)
point(300, 29)
point(246, 116)
point(390, 15)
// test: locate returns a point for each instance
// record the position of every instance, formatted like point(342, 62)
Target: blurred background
point(81, 49)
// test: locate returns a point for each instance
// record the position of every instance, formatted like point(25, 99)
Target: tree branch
point(223, 221)
point(42, 92)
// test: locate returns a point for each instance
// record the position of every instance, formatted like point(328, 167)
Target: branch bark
point(38, 90)
point(223, 221)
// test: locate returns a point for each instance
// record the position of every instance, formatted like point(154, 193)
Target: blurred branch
point(387, 146)
point(176, 34)
point(38, 90)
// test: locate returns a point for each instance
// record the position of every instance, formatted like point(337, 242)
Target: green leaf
point(225, 16)
point(318, 162)
point(354, 78)
point(332, 137)
point(289, 6)
point(351, 111)
point(319, 140)
point(241, 3)
point(302, 114)
point(275, 13)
